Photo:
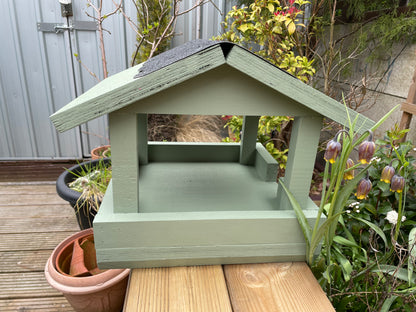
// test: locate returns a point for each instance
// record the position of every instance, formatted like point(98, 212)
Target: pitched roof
point(183, 63)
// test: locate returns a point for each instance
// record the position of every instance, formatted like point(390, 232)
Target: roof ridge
point(178, 53)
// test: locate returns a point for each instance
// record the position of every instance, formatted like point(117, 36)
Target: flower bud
point(333, 148)
point(366, 151)
point(397, 183)
point(349, 175)
point(363, 188)
point(387, 173)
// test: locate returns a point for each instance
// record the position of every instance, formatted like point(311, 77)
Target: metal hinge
point(59, 28)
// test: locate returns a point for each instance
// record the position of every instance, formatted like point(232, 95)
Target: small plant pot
point(84, 215)
point(103, 292)
point(100, 152)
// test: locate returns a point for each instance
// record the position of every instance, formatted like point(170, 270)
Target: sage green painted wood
point(303, 146)
point(266, 166)
point(124, 129)
point(193, 152)
point(220, 91)
point(142, 139)
point(295, 89)
point(199, 255)
point(122, 89)
point(203, 186)
point(196, 238)
point(248, 140)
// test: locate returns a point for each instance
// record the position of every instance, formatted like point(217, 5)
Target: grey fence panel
point(39, 73)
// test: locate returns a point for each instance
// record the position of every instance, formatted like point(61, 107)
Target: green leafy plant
point(269, 28)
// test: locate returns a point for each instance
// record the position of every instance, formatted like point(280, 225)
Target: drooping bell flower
point(387, 174)
point(333, 148)
point(397, 183)
point(349, 174)
point(363, 188)
point(366, 149)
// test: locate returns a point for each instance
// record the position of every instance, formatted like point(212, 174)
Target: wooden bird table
point(277, 287)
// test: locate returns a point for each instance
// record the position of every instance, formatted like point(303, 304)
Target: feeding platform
point(174, 204)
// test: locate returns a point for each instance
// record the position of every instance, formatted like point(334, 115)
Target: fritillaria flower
point(387, 174)
point(397, 183)
point(363, 188)
point(366, 150)
point(333, 148)
point(349, 174)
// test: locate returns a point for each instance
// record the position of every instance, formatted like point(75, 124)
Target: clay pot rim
point(83, 285)
point(94, 151)
point(78, 285)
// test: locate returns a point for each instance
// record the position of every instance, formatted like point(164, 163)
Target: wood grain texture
point(24, 171)
point(33, 221)
point(275, 287)
point(23, 261)
point(32, 241)
point(36, 225)
point(25, 285)
point(180, 289)
point(29, 199)
point(43, 304)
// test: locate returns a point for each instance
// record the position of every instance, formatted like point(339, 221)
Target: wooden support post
point(248, 140)
point(124, 132)
point(142, 139)
point(409, 107)
point(303, 146)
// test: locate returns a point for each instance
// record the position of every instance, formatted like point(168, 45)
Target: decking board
point(32, 241)
point(35, 225)
point(283, 287)
point(33, 220)
point(178, 289)
point(43, 304)
point(25, 285)
point(23, 261)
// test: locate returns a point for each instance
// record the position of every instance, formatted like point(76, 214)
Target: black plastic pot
point(83, 214)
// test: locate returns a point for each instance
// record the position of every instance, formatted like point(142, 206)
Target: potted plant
point(72, 270)
point(84, 186)
point(101, 152)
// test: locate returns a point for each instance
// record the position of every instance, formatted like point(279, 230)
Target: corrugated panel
point(38, 73)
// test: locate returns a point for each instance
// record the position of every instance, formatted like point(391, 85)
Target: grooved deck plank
point(28, 189)
point(33, 241)
point(25, 285)
point(30, 199)
point(33, 221)
point(37, 211)
point(45, 304)
point(33, 225)
point(277, 287)
point(23, 261)
point(178, 289)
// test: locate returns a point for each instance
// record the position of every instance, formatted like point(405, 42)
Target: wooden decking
point(34, 219)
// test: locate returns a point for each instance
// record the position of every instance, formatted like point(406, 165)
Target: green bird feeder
point(175, 204)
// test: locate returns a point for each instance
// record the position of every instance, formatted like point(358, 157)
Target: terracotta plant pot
point(103, 292)
point(99, 152)
point(84, 215)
